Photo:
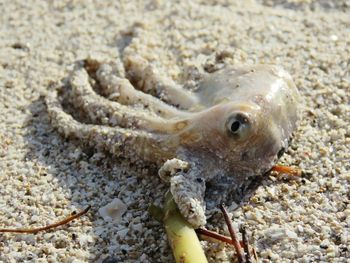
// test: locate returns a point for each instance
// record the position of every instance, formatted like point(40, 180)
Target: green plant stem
point(182, 237)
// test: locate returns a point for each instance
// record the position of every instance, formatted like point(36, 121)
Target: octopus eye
point(238, 125)
point(235, 126)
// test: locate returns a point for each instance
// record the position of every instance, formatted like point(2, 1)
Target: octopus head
point(243, 138)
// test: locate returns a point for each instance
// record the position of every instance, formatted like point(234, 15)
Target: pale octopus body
point(234, 126)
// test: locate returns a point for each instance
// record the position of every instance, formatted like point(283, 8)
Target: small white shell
point(113, 211)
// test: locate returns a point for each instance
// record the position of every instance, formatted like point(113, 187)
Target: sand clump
point(44, 177)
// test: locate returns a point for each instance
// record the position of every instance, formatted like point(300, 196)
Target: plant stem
point(182, 237)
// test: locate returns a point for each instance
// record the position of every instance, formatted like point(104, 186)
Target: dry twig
point(214, 235)
point(44, 228)
point(245, 253)
point(236, 244)
point(246, 247)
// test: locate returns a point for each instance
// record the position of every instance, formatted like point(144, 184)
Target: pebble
point(113, 211)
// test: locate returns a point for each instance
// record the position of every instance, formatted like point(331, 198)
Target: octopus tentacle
point(103, 111)
point(121, 90)
point(134, 144)
point(187, 187)
point(188, 192)
point(147, 79)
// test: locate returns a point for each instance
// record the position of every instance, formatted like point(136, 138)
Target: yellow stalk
point(182, 237)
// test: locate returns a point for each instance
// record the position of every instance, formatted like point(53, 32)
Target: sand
point(44, 178)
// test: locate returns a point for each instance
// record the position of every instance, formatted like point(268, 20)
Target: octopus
point(206, 141)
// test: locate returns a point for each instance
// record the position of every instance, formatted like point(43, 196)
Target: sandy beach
point(44, 177)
